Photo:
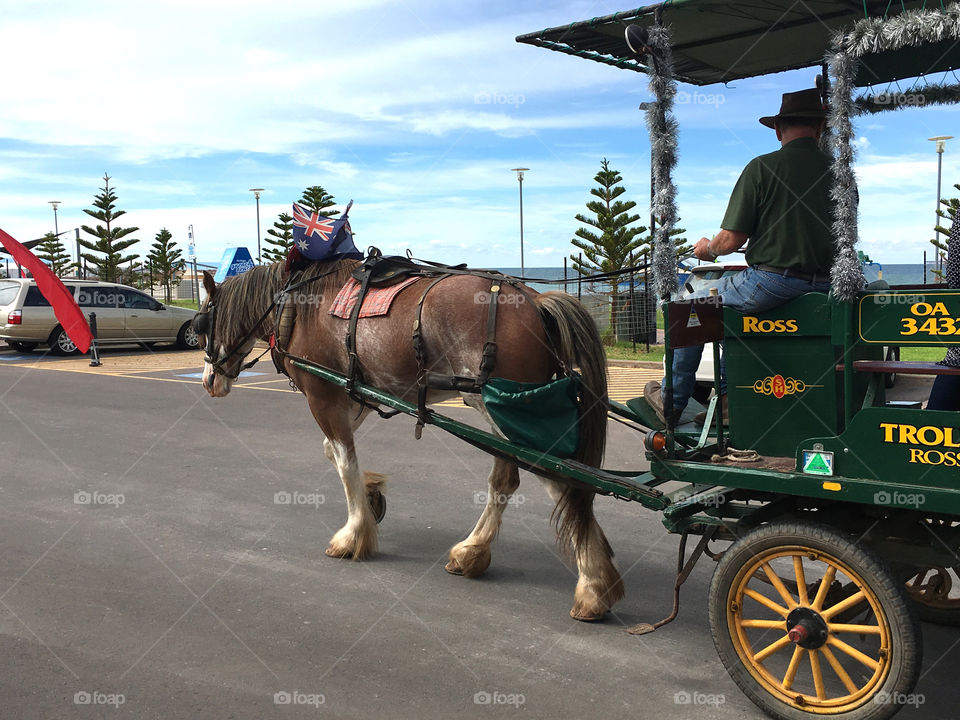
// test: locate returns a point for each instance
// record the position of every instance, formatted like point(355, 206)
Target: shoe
point(654, 398)
point(701, 417)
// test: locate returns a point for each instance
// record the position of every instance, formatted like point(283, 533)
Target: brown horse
point(539, 336)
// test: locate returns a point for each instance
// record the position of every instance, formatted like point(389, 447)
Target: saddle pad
point(377, 302)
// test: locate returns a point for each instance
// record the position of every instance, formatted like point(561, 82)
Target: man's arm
point(723, 243)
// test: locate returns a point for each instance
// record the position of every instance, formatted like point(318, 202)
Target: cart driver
point(782, 205)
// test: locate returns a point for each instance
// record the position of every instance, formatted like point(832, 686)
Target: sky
point(415, 109)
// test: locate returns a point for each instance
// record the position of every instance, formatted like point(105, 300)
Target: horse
point(539, 336)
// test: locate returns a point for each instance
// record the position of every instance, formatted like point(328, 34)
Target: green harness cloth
point(542, 416)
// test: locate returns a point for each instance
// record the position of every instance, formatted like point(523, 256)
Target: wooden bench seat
point(902, 366)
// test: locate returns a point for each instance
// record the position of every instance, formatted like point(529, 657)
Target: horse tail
point(577, 343)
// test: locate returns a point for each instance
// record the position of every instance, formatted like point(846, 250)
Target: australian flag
point(323, 238)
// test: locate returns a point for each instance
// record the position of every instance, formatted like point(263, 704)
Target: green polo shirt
point(782, 202)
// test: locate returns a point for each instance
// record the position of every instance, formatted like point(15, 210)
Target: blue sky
point(416, 110)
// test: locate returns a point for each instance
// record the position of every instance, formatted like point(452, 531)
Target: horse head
point(225, 345)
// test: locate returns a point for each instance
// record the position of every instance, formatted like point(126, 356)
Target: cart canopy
point(716, 41)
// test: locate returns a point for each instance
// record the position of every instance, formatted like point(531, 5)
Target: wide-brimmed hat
point(801, 104)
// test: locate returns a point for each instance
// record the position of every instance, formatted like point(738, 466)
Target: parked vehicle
point(124, 315)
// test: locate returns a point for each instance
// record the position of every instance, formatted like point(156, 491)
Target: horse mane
point(243, 299)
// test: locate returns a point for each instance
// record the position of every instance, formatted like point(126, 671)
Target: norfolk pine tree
point(950, 216)
point(317, 199)
point(164, 257)
point(52, 252)
point(281, 237)
point(109, 238)
point(614, 243)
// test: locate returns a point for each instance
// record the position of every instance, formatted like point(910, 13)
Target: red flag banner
point(60, 299)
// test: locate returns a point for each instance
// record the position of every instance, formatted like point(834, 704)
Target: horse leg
point(599, 585)
point(471, 557)
point(358, 537)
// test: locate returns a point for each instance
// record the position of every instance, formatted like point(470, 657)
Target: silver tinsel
point(925, 96)
point(663, 145)
point(866, 37)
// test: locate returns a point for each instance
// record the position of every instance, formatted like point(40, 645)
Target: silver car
point(124, 315)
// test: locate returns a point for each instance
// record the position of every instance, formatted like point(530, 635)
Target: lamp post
point(56, 204)
point(941, 141)
point(256, 193)
point(520, 171)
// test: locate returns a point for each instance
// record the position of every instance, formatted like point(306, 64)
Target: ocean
point(894, 274)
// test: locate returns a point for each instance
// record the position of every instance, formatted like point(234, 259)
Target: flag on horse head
point(317, 237)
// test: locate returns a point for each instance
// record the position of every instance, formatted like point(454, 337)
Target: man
point(781, 203)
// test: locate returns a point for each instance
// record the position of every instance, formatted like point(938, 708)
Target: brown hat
point(802, 104)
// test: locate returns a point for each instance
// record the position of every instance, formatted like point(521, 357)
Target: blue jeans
point(749, 291)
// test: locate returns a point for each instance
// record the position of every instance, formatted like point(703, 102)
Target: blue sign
point(234, 262)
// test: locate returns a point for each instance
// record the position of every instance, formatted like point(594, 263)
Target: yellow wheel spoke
point(764, 624)
point(771, 649)
point(825, 584)
point(779, 586)
point(858, 629)
point(854, 653)
point(852, 601)
point(766, 602)
point(793, 667)
point(817, 674)
point(838, 669)
point(801, 580)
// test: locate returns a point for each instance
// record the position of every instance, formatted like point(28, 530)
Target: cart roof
point(716, 41)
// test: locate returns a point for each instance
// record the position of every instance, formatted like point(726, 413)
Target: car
point(124, 315)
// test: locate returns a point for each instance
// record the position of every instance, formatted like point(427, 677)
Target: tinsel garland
point(866, 37)
point(663, 144)
point(925, 96)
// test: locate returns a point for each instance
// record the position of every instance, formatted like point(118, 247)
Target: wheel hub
point(806, 628)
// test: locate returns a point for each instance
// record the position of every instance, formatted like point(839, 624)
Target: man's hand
point(702, 250)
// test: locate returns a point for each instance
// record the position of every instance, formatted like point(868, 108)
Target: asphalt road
point(147, 572)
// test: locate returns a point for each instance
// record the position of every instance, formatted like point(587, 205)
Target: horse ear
point(209, 284)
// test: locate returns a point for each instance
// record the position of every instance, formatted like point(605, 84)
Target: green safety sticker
point(817, 462)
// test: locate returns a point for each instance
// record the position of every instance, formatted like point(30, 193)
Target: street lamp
point(56, 204)
point(941, 141)
point(520, 172)
point(256, 193)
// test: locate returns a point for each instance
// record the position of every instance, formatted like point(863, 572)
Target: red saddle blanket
point(377, 302)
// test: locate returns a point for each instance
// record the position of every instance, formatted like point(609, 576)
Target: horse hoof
point(342, 554)
point(468, 560)
point(453, 568)
point(584, 616)
point(378, 504)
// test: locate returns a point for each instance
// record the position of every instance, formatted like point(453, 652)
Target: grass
point(624, 351)
point(192, 304)
point(922, 354)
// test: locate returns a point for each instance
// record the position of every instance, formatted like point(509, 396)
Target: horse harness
point(382, 271)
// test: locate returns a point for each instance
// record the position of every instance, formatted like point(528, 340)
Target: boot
point(652, 394)
point(701, 418)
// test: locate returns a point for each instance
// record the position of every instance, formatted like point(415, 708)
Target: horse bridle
point(204, 323)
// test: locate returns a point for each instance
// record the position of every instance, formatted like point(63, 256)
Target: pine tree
point(317, 199)
point(109, 239)
point(165, 261)
point(281, 237)
point(949, 216)
point(52, 252)
point(615, 242)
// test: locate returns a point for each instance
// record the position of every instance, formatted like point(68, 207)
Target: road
point(148, 572)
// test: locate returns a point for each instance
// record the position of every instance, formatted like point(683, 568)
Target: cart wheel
point(808, 623)
point(378, 503)
point(935, 590)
